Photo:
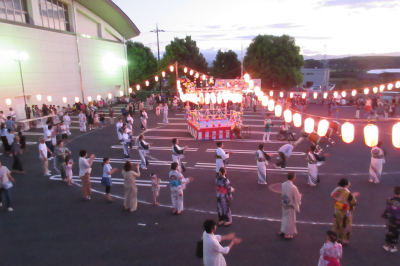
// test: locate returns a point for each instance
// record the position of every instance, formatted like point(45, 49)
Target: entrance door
point(19, 107)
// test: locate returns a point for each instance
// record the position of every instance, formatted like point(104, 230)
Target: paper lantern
point(381, 88)
point(281, 94)
point(219, 97)
point(137, 87)
point(315, 95)
point(297, 120)
point(156, 78)
point(77, 99)
point(335, 94)
point(98, 97)
point(366, 91)
point(185, 69)
point(256, 90)
point(375, 89)
point(171, 68)
point(191, 72)
point(197, 75)
point(390, 87)
point(148, 83)
point(323, 126)
point(121, 93)
point(309, 125)
point(303, 95)
point(397, 84)
point(64, 99)
point(39, 97)
point(371, 135)
point(163, 74)
point(265, 101)
point(225, 96)
point(287, 115)
point(110, 96)
point(344, 94)
point(240, 98)
point(8, 101)
point(271, 105)
point(271, 93)
point(213, 98)
point(260, 95)
point(49, 98)
point(347, 132)
point(204, 77)
point(89, 99)
point(278, 110)
point(207, 98)
point(396, 135)
point(130, 90)
point(201, 98)
point(251, 84)
point(353, 93)
point(246, 77)
point(325, 95)
point(291, 95)
point(234, 98)
point(183, 98)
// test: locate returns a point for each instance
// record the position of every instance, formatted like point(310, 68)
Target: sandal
point(288, 236)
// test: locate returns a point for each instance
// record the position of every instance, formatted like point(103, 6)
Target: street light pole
point(158, 48)
point(23, 87)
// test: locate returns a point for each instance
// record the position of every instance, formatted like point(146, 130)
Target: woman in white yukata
point(221, 157)
point(314, 159)
point(82, 122)
point(212, 250)
point(143, 118)
point(331, 251)
point(291, 201)
point(165, 113)
point(143, 148)
point(262, 162)
point(119, 131)
point(177, 154)
point(377, 161)
point(67, 122)
point(127, 143)
point(177, 183)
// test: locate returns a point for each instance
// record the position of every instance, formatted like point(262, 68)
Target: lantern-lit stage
point(208, 124)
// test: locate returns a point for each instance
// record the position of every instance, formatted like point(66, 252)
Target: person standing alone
point(291, 201)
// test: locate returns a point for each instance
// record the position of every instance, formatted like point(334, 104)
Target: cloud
point(246, 37)
point(213, 27)
point(308, 51)
point(211, 35)
point(284, 25)
point(362, 3)
point(312, 37)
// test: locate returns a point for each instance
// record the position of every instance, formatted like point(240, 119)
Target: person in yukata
point(291, 201)
point(331, 251)
point(177, 183)
point(212, 250)
point(221, 157)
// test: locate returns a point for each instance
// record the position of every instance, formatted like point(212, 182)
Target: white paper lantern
point(344, 94)
point(98, 97)
point(246, 78)
point(323, 126)
point(8, 101)
point(64, 99)
point(39, 97)
point(335, 94)
point(353, 93)
point(171, 68)
point(297, 120)
point(366, 91)
point(265, 101)
point(278, 110)
point(347, 132)
point(110, 96)
point(396, 135)
point(89, 98)
point(138, 87)
point(271, 105)
point(309, 125)
point(371, 135)
point(281, 94)
point(287, 115)
point(251, 84)
point(49, 98)
point(315, 95)
point(130, 90)
point(156, 78)
point(77, 99)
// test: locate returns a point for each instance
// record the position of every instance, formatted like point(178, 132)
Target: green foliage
point(185, 52)
point(226, 65)
point(142, 64)
point(364, 63)
point(276, 60)
point(312, 63)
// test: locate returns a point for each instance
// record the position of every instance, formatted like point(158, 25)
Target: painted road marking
point(100, 160)
point(253, 151)
point(155, 148)
point(252, 140)
point(119, 181)
point(252, 167)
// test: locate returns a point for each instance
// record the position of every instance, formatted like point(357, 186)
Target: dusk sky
point(344, 26)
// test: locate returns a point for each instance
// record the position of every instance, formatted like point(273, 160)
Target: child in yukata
point(68, 170)
point(155, 187)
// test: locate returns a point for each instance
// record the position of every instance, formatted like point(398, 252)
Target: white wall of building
point(317, 76)
point(52, 68)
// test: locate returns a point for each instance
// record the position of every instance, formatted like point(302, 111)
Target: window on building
point(15, 10)
point(54, 14)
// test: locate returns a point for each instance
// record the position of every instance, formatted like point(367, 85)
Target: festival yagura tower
point(67, 49)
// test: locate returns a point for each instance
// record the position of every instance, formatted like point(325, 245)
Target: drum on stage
point(236, 130)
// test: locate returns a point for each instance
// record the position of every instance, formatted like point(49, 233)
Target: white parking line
point(155, 148)
point(253, 151)
point(252, 167)
point(119, 181)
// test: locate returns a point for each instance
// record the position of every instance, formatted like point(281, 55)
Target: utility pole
point(176, 77)
point(241, 68)
point(158, 47)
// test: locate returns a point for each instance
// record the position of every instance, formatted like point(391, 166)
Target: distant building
point(316, 77)
point(76, 50)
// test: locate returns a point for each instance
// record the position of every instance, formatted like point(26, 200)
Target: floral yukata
point(343, 216)
point(262, 162)
point(392, 216)
point(177, 183)
point(224, 195)
point(330, 254)
point(314, 160)
point(377, 160)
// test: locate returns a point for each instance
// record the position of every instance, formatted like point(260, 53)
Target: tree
point(312, 63)
point(276, 60)
point(142, 64)
point(226, 65)
point(185, 52)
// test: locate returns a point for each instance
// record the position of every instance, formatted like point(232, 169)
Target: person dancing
point(377, 161)
point(262, 162)
point(177, 154)
point(314, 159)
point(143, 118)
point(224, 195)
point(143, 148)
point(177, 183)
point(221, 157)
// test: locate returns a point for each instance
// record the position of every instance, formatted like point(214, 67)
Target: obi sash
point(221, 190)
point(332, 261)
point(342, 206)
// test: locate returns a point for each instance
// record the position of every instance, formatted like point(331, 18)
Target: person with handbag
point(85, 168)
point(5, 185)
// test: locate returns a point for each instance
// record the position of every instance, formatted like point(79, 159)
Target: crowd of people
point(56, 133)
